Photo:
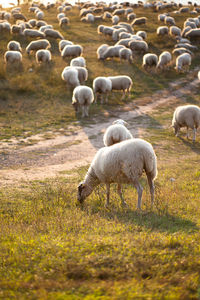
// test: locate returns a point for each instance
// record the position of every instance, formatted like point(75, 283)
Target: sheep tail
point(151, 165)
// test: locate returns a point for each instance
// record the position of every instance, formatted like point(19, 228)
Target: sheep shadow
point(194, 146)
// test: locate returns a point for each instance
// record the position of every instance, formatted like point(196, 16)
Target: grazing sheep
point(142, 34)
point(53, 34)
point(185, 30)
point(125, 53)
point(63, 43)
point(164, 60)
point(162, 30)
point(60, 16)
point(32, 22)
point(179, 51)
point(111, 51)
point(70, 76)
point(127, 26)
point(102, 85)
point(184, 9)
point(63, 22)
point(124, 35)
point(78, 62)
point(186, 45)
point(169, 21)
point(14, 46)
point(37, 45)
point(130, 17)
point(82, 98)
point(191, 24)
point(116, 133)
point(12, 57)
point(139, 21)
point(16, 29)
point(72, 51)
point(121, 163)
point(43, 56)
point(19, 16)
point(41, 23)
point(82, 74)
point(33, 33)
point(43, 28)
point(162, 17)
point(186, 116)
point(183, 60)
point(119, 12)
point(193, 33)
point(174, 30)
point(116, 32)
point(101, 50)
point(40, 15)
point(115, 20)
point(121, 82)
point(149, 60)
point(140, 46)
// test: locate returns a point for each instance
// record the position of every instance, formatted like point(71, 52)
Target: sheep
point(174, 30)
point(125, 53)
point(43, 56)
point(121, 163)
point(121, 82)
point(101, 50)
point(19, 16)
point(182, 40)
point(131, 16)
point(40, 15)
point(82, 98)
point(139, 21)
point(193, 33)
point(116, 133)
point(184, 9)
point(70, 76)
point(162, 17)
point(36, 45)
point(119, 12)
point(140, 46)
point(111, 51)
point(124, 35)
point(82, 74)
point(33, 33)
point(102, 85)
point(60, 16)
point(115, 20)
point(53, 34)
point(16, 29)
point(78, 62)
point(182, 61)
point(41, 23)
point(14, 46)
point(43, 28)
point(127, 26)
point(186, 45)
point(63, 21)
point(107, 15)
point(71, 51)
point(186, 116)
point(116, 32)
point(142, 34)
point(32, 22)
point(63, 43)
point(12, 57)
point(185, 30)
point(169, 21)
point(164, 60)
point(149, 60)
point(179, 51)
point(162, 30)
point(189, 23)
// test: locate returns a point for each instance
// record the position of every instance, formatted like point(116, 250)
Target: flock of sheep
point(123, 158)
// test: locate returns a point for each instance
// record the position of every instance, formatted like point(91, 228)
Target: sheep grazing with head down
point(121, 163)
point(43, 56)
point(116, 133)
point(126, 54)
point(186, 116)
point(162, 30)
point(12, 57)
point(63, 22)
point(164, 60)
point(149, 60)
point(63, 43)
point(78, 62)
point(14, 46)
point(72, 51)
point(37, 45)
point(138, 46)
point(33, 33)
point(102, 86)
point(183, 61)
point(121, 82)
point(51, 33)
point(70, 76)
point(82, 98)
point(139, 21)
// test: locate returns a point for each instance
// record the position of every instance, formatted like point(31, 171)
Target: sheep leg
point(83, 111)
point(119, 190)
point(194, 136)
point(151, 186)
point(123, 95)
point(107, 195)
point(139, 189)
point(87, 111)
point(187, 134)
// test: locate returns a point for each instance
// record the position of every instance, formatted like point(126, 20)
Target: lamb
point(53, 34)
point(12, 57)
point(162, 30)
point(125, 53)
point(78, 62)
point(121, 82)
point(149, 60)
point(82, 98)
point(186, 116)
point(14, 46)
point(70, 76)
point(63, 43)
point(183, 60)
point(102, 85)
point(140, 46)
point(43, 56)
point(33, 33)
point(71, 51)
point(36, 45)
point(139, 21)
point(164, 60)
point(121, 163)
point(116, 133)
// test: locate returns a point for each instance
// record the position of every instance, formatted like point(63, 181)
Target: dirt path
point(37, 158)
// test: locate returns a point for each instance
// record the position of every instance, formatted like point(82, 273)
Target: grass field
point(51, 248)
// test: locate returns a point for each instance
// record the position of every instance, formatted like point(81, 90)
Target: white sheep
point(82, 98)
point(112, 51)
point(63, 43)
point(121, 82)
point(182, 61)
point(12, 57)
point(36, 45)
point(121, 163)
point(33, 33)
point(139, 46)
point(162, 30)
point(116, 133)
point(71, 51)
point(63, 21)
point(174, 30)
point(70, 76)
point(115, 20)
point(169, 21)
point(102, 86)
point(193, 33)
point(164, 60)
point(40, 15)
point(186, 116)
point(116, 32)
point(142, 34)
point(43, 56)
point(60, 16)
point(131, 16)
point(44, 27)
point(139, 21)
point(14, 46)
point(78, 62)
point(125, 53)
point(149, 60)
point(53, 34)
point(101, 50)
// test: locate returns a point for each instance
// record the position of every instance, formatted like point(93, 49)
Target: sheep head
point(83, 191)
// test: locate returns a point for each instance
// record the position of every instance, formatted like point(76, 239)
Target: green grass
point(39, 100)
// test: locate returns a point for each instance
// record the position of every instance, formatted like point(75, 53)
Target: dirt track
point(23, 160)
